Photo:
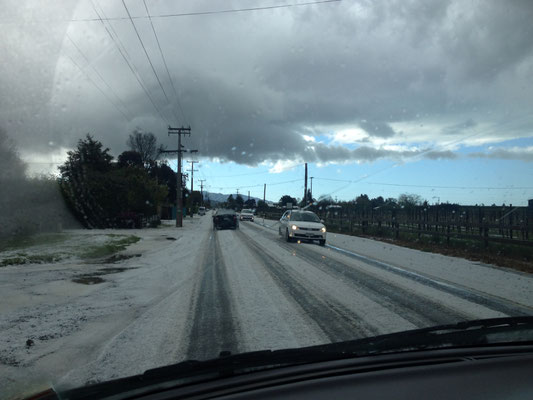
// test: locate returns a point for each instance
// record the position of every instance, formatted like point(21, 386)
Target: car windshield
point(304, 216)
point(133, 133)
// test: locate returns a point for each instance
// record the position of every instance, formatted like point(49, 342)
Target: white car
point(247, 215)
point(201, 210)
point(302, 225)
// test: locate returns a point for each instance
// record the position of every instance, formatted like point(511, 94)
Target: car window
point(406, 126)
point(304, 216)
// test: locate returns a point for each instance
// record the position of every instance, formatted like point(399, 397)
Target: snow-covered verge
point(57, 316)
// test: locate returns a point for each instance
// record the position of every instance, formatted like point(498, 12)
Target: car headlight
point(323, 229)
point(294, 227)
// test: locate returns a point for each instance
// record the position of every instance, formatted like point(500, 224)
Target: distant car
point(247, 215)
point(201, 210)
point(302, 225)
point(225, 219)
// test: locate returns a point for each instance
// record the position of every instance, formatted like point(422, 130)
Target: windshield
point(132, 133)
point(304, 216)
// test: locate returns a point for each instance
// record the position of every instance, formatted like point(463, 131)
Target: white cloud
point(348, 136)
point(284, 165)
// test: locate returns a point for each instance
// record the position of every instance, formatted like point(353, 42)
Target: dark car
point(225, 219)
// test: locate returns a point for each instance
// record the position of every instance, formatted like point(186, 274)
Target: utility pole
point(248, 195)
point(179, 202)
point(311, 178)
point(192, 180)
point(305, 186)
point(264, 193)
point(202, 190)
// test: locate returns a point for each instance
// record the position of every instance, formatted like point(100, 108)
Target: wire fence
point(443, 222)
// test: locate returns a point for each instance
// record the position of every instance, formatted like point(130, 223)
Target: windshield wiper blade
point(517, 330)
point(467, 333)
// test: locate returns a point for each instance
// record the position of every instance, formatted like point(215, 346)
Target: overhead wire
point(98, 87)
point(99, 75)
point(227, 11)
point(123, 53)
point(165, 63)
point(430, 186)
point(149, 59)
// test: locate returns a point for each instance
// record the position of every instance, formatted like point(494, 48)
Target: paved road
point(257, 291)
point(192, 293)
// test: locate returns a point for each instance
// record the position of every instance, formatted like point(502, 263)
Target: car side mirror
point(322, 220)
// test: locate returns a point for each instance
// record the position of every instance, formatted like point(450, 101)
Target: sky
point(378, 97)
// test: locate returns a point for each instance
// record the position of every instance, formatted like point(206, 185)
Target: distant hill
point(221, 197)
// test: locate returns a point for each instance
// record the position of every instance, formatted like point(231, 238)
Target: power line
point(98, 87)
point(148, 57)
point(130, 64)
point(455, 187)
point(165, 63)
point(245, 174)
point(228, 11)
point(258, 185)
point(98, 73)
point(431, 186)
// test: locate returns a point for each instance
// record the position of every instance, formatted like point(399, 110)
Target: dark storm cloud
point(458, 128)
point(251, 84)
point(440, 155)
point(324, 153)
point(520, 154)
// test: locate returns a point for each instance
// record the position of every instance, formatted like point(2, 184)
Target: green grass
point(31, 259)
point(21, 242)
point(109, 248)
point(114, 244)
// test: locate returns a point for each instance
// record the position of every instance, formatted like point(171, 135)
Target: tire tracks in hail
point(336, 321)
point(419, 310)
point(213, 327)
point(486, 300)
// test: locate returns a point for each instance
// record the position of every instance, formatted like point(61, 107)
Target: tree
point(231, 201)
point(408, 200)
point(362, 201)
point(250, 203)
point(145, 144)
point(130, 158)
point(262, 206)
point(239, 202)
point(287, 199)
point(89, 154)
point(165, 175)
point(99, 192)
point(377, 202)
point(84, 184)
